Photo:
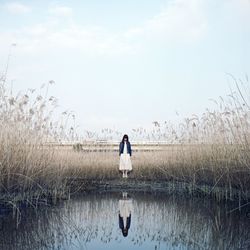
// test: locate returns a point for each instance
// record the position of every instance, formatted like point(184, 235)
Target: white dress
point(125, 209)
point(125, 161)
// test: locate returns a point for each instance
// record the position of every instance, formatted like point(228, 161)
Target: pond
point(122, 220)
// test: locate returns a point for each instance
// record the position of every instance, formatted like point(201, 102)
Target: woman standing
point(125, 153)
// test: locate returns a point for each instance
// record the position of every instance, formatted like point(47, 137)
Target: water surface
point(157, 221)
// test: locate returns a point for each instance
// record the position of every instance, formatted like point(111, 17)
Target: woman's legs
point(125, 173)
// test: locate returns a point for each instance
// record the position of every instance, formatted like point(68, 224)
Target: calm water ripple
point(128, 221)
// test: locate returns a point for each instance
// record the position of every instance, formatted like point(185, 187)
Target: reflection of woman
point(125, 207)
point(125, 153)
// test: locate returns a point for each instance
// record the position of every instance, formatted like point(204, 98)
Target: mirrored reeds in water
point(157, 222)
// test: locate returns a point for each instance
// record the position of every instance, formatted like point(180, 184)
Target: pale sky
point(123, 64)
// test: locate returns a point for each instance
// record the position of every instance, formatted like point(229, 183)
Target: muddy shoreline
point(170, 187)
point(79, 186)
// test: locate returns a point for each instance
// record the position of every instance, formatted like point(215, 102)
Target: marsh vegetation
point(212, 149)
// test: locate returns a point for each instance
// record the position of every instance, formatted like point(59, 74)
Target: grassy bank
point(214, 166)
point(212, 149)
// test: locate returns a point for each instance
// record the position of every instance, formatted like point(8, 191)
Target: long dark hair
point(125, 232)
point(125, 136)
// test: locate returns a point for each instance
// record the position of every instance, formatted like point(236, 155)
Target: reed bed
point(209, 150)
point(197, 165)
point(25, 164)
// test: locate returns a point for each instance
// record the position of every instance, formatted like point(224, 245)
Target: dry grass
point(212, 149)
point(25, 124)
point(213, 165)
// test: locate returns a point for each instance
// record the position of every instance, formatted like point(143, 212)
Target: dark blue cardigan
point(121, 148)
point(121, 222)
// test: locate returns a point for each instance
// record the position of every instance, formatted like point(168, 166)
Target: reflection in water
point(125, 208)
point(158, 222)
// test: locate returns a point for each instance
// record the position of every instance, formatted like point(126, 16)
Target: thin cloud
point(241, 8)
point(17, 8)
point(181, 20)
point(63, 11)
point(45, 37)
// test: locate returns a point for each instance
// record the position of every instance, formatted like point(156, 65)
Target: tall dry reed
point(212, 149)
point(26, 123)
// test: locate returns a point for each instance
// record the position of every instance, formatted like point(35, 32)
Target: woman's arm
point(129, 149)
point(128, 222)
point(121, 224)
point(120, 148)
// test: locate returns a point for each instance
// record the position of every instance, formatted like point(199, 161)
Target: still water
point(124, 220)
